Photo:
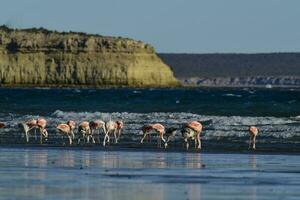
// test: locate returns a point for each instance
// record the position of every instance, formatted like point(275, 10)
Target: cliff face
point(46, 58)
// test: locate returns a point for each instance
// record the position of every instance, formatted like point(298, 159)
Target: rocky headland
point(39, 57)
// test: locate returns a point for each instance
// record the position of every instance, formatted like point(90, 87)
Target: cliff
point(48, 58)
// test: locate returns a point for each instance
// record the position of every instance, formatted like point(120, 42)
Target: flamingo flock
point(91, 131)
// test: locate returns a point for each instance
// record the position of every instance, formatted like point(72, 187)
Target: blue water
point(220, 102)
point(46, 174)
point(230, 111)
point(224, 169)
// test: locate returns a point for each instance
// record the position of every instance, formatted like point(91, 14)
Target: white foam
point(232, 95)
point(221, 127)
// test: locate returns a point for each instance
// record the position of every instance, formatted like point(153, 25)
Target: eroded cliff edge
point(48, 58)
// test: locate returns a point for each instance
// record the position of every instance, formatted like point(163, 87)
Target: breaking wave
point(229, 128)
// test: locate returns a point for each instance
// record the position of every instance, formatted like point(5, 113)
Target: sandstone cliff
point(47, 58)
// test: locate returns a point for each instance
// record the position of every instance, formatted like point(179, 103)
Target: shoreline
point(152, 149)
point(148, 87)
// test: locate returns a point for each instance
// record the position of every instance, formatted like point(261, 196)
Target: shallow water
point(58, 173)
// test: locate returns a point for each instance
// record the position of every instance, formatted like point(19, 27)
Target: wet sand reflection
point(74, 174)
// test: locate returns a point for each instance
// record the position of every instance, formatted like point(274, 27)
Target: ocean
point(230, 112)
point(223, 169)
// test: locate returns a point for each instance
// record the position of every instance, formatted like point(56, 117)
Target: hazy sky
point(198, 26)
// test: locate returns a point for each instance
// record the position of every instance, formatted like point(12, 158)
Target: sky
point(171, 26)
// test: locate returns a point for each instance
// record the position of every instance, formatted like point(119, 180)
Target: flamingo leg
point(88, 139)
point(41, 139)
point(93, 140)
point(164, 140)
point(119, 134)
point(79, 137)
point(108, 137)
point(254, 141)
point(199, 141)
point(115, 135)
point(250, 142)
point(35, 136)
point(98, 137)
point(158, 142)
point(27, 136)
point(104, 139)
point(186, 143)
point(26, 130)
point(104, 131)
point(73, 135)
point(70, 139)
point(145, 135)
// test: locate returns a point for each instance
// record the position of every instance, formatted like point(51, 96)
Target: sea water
point(223, 169)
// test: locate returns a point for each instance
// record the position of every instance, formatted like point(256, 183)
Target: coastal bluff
point(39, 57)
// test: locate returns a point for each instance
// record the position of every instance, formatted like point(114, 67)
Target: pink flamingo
point(97, 125)
point(84, 132)
point(158, 128)
point(67, 129)
point(115, 127)
point(118, 127)
point(253, 131)
point(35, 124)
point(41, 124)
point(192, 130)
point(28, 126)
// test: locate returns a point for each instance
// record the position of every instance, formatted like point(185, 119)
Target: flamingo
point(253, 131)
point(35, 124)
point(85, 132)
point(67, 129)
point(2, 125)
point(28, 126)
point(116, 127)
point(158, 128)
point(192, 130)
point(41, 124)
point(171, 133)
point(97, 125)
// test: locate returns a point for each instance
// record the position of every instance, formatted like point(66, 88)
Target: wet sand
point(58, 173)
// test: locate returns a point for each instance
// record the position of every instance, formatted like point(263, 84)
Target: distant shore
point(235, 70)
point(242, 82)
point(183, 86)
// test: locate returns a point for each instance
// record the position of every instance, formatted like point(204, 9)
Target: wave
point(232, 95)
point(222, 127)
point(137, 92)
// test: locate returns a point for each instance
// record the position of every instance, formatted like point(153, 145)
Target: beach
point(58, 173)
point(223, 169)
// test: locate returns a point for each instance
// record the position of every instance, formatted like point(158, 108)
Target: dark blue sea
point(209, 102)
point(223, 169)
